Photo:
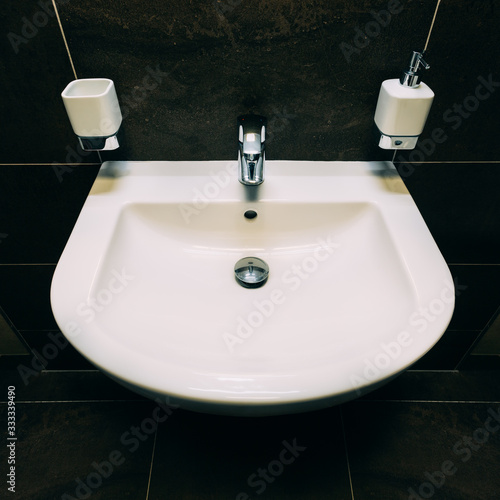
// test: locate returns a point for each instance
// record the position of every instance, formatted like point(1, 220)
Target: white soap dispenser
point(402, 108)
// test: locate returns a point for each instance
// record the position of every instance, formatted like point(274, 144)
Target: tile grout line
point(461, 162)
point(45, 164)
point(357, 401)
point(453, 401)
point(470, 264)
point(152, 462)
point(71, 401)
point(346, 453)
point(434, 370)
point(432, 26)
point(64, 38)
point(30, 264)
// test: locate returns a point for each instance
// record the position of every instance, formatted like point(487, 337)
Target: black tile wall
point(51, 351)
point(35, 68)
point(463, 56)
point(185, 70)
point(449, 350)
point(477, 295)
point(461, 207)
point(25, 295)
point(39, 205)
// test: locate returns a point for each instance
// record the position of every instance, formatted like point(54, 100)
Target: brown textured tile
point(216, 60)
point(82, 449)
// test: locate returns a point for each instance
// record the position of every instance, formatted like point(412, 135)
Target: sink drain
point(251, 272)
point(250, 214)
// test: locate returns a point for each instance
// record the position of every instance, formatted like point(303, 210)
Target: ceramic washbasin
point(357, 288)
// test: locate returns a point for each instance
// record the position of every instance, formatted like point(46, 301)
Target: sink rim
point(109, 194)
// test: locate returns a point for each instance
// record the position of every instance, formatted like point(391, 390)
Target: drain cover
point(251, 272)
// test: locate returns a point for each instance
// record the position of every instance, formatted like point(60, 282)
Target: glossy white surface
point(357, 290)
point(402, 111)
point(92, 107)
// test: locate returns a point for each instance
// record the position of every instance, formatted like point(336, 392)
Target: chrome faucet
point(251, 155)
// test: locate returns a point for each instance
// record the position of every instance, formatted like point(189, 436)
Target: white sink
point(357, 288)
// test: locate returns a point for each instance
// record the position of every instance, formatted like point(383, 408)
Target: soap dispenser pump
point(403, 106)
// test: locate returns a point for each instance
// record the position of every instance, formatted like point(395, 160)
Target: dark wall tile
point(36, 69)
point(54, 352)
point(461, 206)
point(39, 205)
point(463, 55)
point(185, 70)
point(490, 340)
point(478, 296)
point(481, 362)
point(11, 343)
point(448, 352)
point(25, 296)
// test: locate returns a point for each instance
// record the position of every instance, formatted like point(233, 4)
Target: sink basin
point(357, 288)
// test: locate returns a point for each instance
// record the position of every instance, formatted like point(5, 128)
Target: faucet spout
point(251, 151)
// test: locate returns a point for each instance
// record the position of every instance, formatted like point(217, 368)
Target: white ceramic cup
point(92, 107)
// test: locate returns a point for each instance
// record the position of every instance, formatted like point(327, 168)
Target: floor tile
point(288, 457)
point(81, 450)
point(413, 451)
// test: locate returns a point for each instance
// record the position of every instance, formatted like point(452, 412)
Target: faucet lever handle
point(252, 124)
point(251, 150)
